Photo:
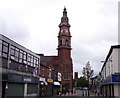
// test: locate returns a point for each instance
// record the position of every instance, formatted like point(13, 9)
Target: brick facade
point(63, 62)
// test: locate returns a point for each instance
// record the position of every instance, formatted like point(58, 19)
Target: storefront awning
point(57, 83)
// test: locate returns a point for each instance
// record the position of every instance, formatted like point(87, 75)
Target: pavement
point(80, 93)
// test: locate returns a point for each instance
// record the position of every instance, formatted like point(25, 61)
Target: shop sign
point(54, 76)
point(59, 76)
point(50, 80)
point(27, 80)
point(116, 78)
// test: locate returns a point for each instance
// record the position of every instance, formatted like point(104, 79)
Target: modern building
point(62, 62)
point(19, 69)
point(110, 73)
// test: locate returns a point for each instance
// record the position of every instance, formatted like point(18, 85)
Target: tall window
point(5, 49)
point(29, 59)
point(55, 67)
point(12, 52)
point(24, 57)
point(16, 54)
point(32, 60)
point(35, 61)
point(21, 56)
point(67, 68)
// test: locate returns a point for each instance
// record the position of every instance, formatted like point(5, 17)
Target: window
point(24, 57)
point(12, 52)
point(32, 61)
point(29, 59)
point(63, 41)
point(0, 47)
point(36, 65)
point(60, 42)
point(66, 77)
point(16, 54)
point(55, 67)
point(5, 49)
point(67, 42)
point(21, 56)
point(36, 61)
point(67, 68)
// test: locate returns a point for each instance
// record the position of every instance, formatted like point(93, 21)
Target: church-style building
point(63, 62)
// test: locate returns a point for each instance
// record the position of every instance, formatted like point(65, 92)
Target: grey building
point(19, 68)
point(110, 74)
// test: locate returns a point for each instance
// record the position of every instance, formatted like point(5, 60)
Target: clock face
point(62, 31)
point(66, 30)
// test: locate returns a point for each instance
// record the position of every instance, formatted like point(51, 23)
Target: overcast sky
point(34, 24)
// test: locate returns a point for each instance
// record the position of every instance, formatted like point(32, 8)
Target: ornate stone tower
point(64, 52)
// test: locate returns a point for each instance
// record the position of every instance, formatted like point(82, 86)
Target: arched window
point(60, 42)
point(67, 42)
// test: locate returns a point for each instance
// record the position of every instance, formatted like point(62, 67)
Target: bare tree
point(88, 73)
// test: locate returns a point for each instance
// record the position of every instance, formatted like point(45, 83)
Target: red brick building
point(76, 75)
point(63, 62)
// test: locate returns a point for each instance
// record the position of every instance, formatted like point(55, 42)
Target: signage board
point(116, 78)
point(59, 76)
point(50, 80)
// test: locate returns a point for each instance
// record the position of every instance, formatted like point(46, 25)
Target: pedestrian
point(60, 93)
point(98, 92)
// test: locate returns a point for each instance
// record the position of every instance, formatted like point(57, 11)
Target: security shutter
point(32, 88)
point(15, 89)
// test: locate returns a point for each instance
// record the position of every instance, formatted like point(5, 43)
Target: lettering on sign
point(27, 80)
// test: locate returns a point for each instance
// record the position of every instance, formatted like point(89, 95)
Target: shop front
point(56, 88)
point(26, 85)
point(43, 87)
point(111, 86)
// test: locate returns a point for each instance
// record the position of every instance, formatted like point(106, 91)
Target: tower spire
point(64, 18)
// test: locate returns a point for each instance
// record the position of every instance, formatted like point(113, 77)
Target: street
point(78, 94)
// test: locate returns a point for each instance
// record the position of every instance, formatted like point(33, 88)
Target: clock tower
point(64, 52)
point(64, 37)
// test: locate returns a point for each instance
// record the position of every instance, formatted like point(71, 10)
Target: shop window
point(32, 89)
